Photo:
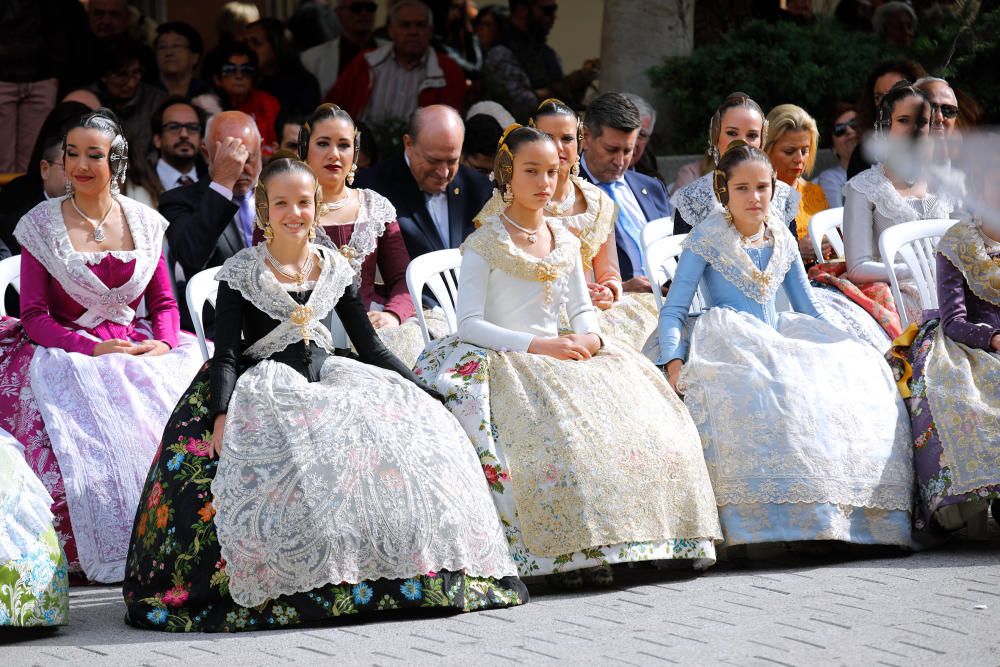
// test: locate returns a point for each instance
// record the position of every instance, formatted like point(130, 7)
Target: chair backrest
point(661, 252)
point(829, 224)
point(201, 289)
point(438, 271)
point(10, 276)
point(915, 242)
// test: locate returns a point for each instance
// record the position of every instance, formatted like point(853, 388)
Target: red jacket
point(263, 108)
point(445, 82)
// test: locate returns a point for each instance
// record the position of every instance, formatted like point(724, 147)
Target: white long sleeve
point(473, 293)
point(861, 243)
point(579, 308)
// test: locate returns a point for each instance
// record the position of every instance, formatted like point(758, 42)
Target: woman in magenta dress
point(88, 383)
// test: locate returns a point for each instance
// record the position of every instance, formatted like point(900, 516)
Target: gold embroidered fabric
point(718, 243)
point(592, 227)
point(599, 452)
point(963, 246)
point(963, 392)
point(632, 320)
point(492, 242)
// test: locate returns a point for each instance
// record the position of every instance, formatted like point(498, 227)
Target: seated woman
point(590, 214)
point(294, 485)
point(34, 588)
point(954, 388)
point(791, 459)
point(92, 382)
point(362, 225)
point(737, 118)
point(591, 457)
point(790, 144)
point(889, 193)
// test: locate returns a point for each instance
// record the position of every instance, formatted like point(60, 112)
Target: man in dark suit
point(435, 197)
point(609, 136)
point(213, 219)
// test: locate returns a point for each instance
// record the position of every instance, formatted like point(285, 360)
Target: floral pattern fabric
point(177, 581)
point(936, 487)
point(462, 373)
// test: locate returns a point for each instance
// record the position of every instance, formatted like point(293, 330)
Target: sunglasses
point(549, 10)
point(192, 128)
point(229, 69)
point(840, 129)
point(948, 111)
point(363, 8)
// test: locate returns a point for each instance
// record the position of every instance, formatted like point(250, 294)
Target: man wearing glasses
point(178, 48)
point(357, 23)
point(944, 118)
point(178, 127)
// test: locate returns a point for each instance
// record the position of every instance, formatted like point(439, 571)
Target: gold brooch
point(301, 317)
point(348, 252)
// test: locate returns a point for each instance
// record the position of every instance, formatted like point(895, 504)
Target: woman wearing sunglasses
point(234, 78)
point(844, 139)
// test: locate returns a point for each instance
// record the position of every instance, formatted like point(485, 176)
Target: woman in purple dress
point(91, 371)
point(949, 370)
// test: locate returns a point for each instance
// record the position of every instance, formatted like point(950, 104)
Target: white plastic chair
point(201, 289)
point(916, 242)
point(829, 224)
point(661, 249)
point(10, 276)
point(438, 271)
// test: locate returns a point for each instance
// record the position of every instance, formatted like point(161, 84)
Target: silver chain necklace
point(298, 275)
point(98, 225)
point(532, 234)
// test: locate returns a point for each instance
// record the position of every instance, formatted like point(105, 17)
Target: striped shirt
point(395, 89)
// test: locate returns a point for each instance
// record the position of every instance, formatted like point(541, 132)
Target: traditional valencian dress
point(89, 425)
point(951, 376)
point(805, 435)
point(872, 204)
point(34, 590)
point(590, 462)
point(373, 242)
point(343, 487)
point(632, 319)
point(696, 201)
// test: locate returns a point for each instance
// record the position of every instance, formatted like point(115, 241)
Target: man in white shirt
point(177, 126)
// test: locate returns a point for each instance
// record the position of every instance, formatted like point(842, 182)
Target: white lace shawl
point(43, 233)
point(879, 190)
point(697, 200)
point(246, 272)
point(375, 212)
point(718, 243)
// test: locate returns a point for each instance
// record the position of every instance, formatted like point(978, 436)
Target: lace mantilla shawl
point(43, 232)
point(697, 200)
point(246, 272)
point(592, 227)
point(963, 246)
point(374, 213)
point(492, 242)
point(718, 243)
point(879, 191)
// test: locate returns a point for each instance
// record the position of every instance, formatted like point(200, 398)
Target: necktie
point(185, 180)
point(245, 216)
point(630, 228)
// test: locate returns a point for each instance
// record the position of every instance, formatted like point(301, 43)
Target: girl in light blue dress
point(805, 435)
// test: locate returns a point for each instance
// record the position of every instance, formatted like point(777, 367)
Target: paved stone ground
point(937, 607)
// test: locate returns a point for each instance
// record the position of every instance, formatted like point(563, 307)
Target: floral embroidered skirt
point(936, 483)
point(567, 449)
point(89, 427)
point(797, 453)
point(407, 341)
point(34, 590)
point(632, 320)
point(176, 579)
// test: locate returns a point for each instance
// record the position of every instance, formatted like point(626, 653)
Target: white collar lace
point(246, 272)
point(718, 243)
point(42, 231)
point(696, 201)
point(375, 212)
point(879, 190)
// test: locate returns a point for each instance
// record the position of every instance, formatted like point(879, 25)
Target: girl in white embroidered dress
point(571, 435)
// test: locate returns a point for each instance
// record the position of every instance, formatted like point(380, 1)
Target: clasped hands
point(573, 347)
point(147, 348)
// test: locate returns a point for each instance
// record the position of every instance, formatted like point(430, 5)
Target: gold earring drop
point(508, 194)
point(575, 169)
point(351, 173)
point(312, 232)
point(727, 214)
point(268, 232)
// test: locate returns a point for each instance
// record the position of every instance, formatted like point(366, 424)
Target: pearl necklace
point(752, 240)
point(559, 210)
point(298, 275)
point(329, 207)
point(531, 233)
point(98, 225)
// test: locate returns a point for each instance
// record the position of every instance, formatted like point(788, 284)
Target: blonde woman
point(790, 144)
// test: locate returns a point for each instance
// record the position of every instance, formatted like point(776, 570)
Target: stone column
point(638, 34)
